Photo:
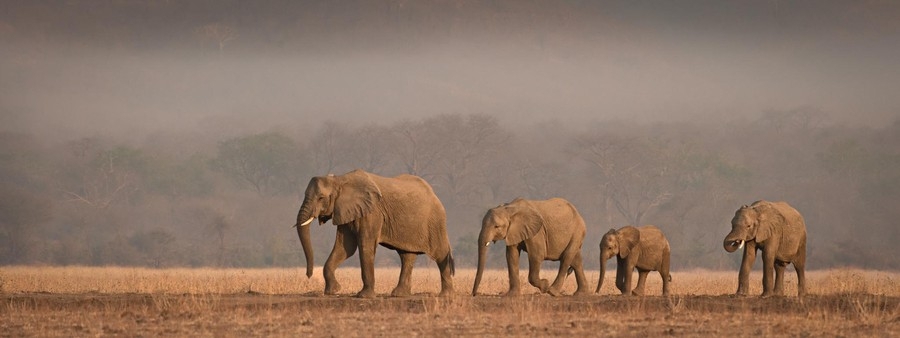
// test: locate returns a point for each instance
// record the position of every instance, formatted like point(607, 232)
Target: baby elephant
point(644, 248)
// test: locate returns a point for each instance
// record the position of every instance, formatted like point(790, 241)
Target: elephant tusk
point(742, 245)
point(308, 221)
point(487, 244)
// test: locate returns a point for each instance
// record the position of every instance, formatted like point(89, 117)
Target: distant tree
point(266, 162)
point(156, 246)
point(218, 33)
point(370, 149)
point(21, 213)
point(629, 172)
point(98, 178)
point(416, 148)
point(452, 152)
point(329, 148)
point(189, 178)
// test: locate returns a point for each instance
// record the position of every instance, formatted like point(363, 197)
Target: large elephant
point(546, 230)
point(401, 213)
point(644, 248)
point(779, 231)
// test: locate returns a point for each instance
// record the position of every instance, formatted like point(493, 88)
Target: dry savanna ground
point(82, 301)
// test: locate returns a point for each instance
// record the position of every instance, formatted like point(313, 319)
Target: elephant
point(779, 231)
point(401, 213)
point(547, 230)
point(644, 248)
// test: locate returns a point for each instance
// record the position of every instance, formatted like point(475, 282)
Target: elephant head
point(514, 222)
point(751, 223)
point(616, 242)
point(341, 199)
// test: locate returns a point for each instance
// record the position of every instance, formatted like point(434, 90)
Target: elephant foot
point(544, 285)
point(581, 293)
point(767, 295)
point(554, 292)
point(401, 292)
point(365, 293)
point(637, 293)
point(332, 289)
point(446, 292)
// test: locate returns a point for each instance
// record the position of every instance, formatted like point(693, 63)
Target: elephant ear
point(525, 221)
point(769, 218)
point(629, 237)
point(358, 197)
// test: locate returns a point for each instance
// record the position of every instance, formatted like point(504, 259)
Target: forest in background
point(198, 199)
point(183, 133)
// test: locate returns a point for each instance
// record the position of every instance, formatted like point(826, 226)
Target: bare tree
point(634, 174)
point(219, 33)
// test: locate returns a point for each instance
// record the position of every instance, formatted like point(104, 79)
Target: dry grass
point(69, 301)
point(293, 281)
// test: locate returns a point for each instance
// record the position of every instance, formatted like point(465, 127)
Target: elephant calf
point(644, 248)
point(547, 230)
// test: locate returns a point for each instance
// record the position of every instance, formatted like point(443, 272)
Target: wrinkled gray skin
point(401, 213)
point(779, 231)
point(643, 248)
point(547, 230)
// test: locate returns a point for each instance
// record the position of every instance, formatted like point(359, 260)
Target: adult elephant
point(779, 231)
point(401, 213)
point(644, 248)
point(547, 230)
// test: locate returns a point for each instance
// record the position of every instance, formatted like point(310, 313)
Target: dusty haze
point(84, 67)
point(780, 100)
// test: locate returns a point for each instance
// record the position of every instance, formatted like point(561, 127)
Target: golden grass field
point(91, 301)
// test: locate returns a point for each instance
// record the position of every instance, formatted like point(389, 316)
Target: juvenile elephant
point(401, 213)
point(779, 231)
point(644, 248)
point(547, 230)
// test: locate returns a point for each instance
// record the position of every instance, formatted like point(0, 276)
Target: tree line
point(208, 198)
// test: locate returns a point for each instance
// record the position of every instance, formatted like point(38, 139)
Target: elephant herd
point(402, 213)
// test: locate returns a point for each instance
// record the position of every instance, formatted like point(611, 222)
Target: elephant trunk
point(303, 233)
point(482, 256)
point(602, 270)
point(733, 242)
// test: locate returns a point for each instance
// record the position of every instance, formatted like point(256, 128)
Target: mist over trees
point(98, 201)
point(183, 133)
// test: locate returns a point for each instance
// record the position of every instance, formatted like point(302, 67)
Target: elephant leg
point(664, 273)
point(404, 287)
point(367, 246)
point(620, 274)
point(768, 272)
point(642, 278)
point(344, 246)
point(446, 267)
point(512, 262)
point(534, 272)
point(564, 264)
point(779, 278)
point(580, 280)
point(800, 266)
point(744, 272)
point(629, 273)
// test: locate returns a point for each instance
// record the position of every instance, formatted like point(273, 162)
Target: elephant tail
point(452, 263)
point(670, 277)
point(571, 270)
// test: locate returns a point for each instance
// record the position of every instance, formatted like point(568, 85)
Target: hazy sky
point(82, 67)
